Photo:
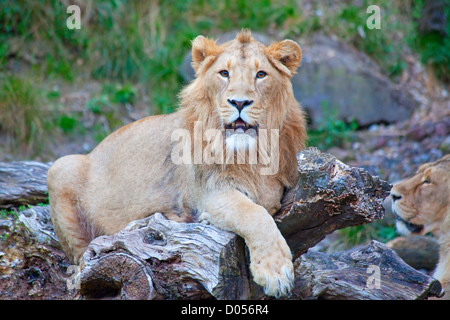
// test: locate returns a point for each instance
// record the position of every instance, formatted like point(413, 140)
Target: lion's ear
point(427, 174)
point(288, 53)
point(203, 48)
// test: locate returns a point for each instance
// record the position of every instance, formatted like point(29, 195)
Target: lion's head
point(243, 86)
point(422, 202)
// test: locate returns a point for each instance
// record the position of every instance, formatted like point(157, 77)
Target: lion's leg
point(270, 257)
point(65, 179)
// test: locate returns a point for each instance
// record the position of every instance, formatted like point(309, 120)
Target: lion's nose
point(240, 104)
point(395, 197)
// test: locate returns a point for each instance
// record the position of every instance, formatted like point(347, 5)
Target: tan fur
point(130, 175)
point(424, 200)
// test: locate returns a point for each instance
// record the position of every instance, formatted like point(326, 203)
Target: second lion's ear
point(286, 52)
point(202, 48)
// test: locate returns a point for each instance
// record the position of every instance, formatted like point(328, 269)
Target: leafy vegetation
point(433, 46)
point(379, 230)
point(331, 131)
point(21, 112)
point(383, 45)
point(5, 213)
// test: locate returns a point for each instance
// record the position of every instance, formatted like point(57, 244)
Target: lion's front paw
point(204, 217)
point(272, 268)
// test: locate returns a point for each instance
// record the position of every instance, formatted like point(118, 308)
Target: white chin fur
point(240, 142)
point(401, 228)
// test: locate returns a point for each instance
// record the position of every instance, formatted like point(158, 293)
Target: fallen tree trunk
point(155, 258)
point(23, 183)
point(184, 261)
point(371, 272)
point(200, 261)
point(158, 258)
point(330, 195)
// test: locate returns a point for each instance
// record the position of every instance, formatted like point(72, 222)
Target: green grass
point(104, 106)
point(362, 234)
point(331, 132)
point(4, 214)
point(21, 110)
point(14, 213)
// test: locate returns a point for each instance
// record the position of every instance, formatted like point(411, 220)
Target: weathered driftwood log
point(23, 183)
point(194, 261)
point(183, 260)
point(155, 258)
point(176, 261)
point(371, 272)
point(330, 195)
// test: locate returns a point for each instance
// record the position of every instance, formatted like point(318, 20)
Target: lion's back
point(132, 175)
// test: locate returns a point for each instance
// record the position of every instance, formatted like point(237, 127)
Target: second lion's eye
point(260, 74)
point(224, 73)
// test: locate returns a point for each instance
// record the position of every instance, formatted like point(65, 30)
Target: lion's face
point(242, 78)
point(421, 202)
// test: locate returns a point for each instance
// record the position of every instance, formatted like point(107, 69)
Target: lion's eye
point(224, 73)
point(260, 74)
point(426, 181)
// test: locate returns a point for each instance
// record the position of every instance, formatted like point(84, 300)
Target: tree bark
point(330, 195)
point(32, 263)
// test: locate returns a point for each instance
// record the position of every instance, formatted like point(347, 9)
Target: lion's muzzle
point(240, 126)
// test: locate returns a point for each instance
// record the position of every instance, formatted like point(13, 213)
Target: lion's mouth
point(414, 228)
point(240, 126)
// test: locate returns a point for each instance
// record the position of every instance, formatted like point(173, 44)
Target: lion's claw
point(274, 270)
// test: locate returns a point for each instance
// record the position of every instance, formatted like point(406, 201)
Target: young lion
point(422, 205)
point(242, 91)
